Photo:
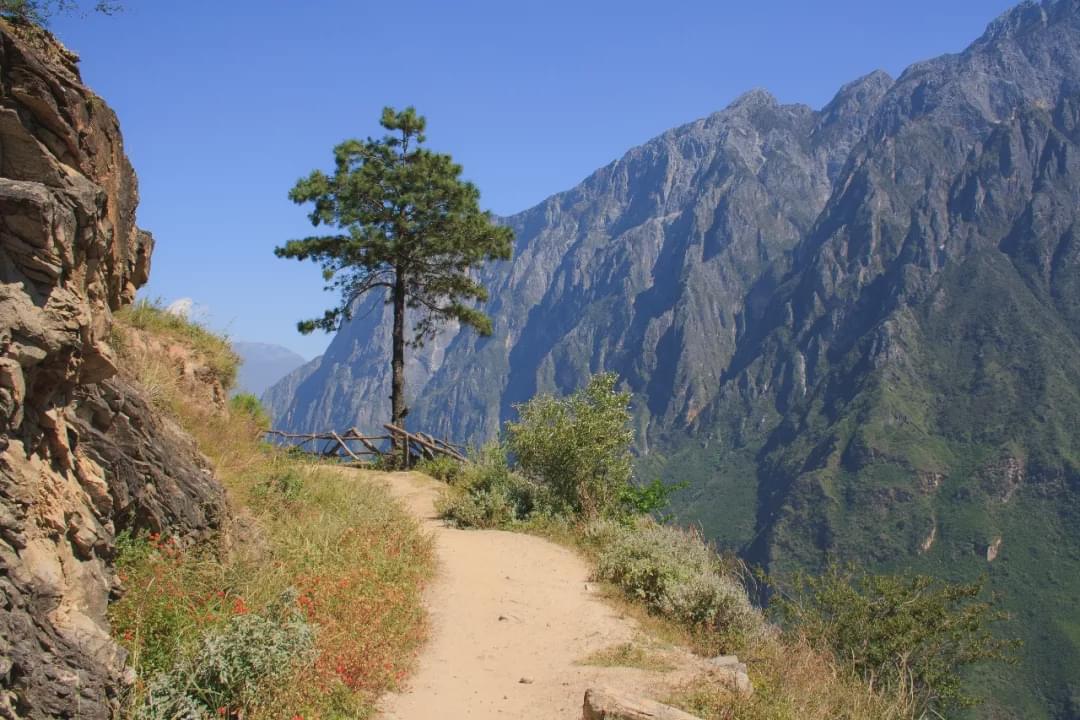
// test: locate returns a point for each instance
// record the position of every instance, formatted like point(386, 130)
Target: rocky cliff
point(82, 454)
point(855, 329)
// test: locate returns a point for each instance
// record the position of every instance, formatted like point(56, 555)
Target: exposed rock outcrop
point(603, 704)
point(82, 454)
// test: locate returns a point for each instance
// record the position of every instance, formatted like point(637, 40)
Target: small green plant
point(907, 634)
point(649, 499)
point(442, 468)
point(171, 596)
point(488, 493)
point(577, 446)
point(281, 486)
point(249, 405)
point(677, 575)
point(228, 673)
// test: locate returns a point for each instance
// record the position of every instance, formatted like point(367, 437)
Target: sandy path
point(510, 616)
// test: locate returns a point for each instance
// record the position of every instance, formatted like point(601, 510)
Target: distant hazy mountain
point(855, 330)
point(262, 365)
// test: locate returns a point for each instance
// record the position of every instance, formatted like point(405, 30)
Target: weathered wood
point(344, 446)
point(410, 437)
point(414, 446)
point(604, 704)
point(366, 442)
point(449, 446)
point(330, 449)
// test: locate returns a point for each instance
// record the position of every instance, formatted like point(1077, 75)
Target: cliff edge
point(83, 454)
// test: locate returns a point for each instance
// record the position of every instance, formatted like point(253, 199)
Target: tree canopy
point(39, 11)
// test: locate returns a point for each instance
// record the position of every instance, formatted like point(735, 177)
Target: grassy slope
point(355, 559)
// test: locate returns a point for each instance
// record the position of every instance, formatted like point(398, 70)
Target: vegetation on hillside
point(858, 646)
point(310, 599)
point(903, 634)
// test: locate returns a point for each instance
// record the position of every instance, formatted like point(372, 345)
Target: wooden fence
point(355, 447)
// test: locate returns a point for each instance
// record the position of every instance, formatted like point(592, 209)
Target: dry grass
point(792, 682)
point(150, 317)
point(628, 655)
point(355, 559)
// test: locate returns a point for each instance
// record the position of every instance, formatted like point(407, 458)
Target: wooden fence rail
point(355, 446)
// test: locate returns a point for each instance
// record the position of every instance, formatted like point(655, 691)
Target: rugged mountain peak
point(1028, 16)
point(752, 100)
point(858, 97)
point(841, 324)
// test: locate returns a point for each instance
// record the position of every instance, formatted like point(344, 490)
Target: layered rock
point(82, 454)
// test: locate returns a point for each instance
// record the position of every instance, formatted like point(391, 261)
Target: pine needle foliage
point(407, 225)
point(41, 11)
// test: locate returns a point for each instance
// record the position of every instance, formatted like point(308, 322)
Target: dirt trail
point(511, 614)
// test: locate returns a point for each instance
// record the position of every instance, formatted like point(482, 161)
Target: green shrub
point(487, 493)
point(577, 446)
point(648, 499)
point(41, 11)
point(907, 634)
point(676, 575)
point(442, 468)
point(233, 666)
point(249, 405)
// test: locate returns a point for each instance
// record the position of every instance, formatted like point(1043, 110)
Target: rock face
point(602, 704)
point(852, 329)
point(82, 456)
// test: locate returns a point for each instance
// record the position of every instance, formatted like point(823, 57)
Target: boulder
point(605, 704)
point(731, 673)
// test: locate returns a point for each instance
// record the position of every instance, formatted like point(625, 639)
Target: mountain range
point(263, 365)
point(854, 330)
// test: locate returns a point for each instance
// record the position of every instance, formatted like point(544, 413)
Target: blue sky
point(225, 103)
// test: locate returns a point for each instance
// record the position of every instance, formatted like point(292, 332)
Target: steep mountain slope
point(911, 392)
point(857, 331)
point(262, 365)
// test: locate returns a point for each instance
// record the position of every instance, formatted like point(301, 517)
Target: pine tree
point(408, 226)
point(41, 11)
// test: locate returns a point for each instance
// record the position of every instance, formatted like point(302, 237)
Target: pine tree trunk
point(397, 392)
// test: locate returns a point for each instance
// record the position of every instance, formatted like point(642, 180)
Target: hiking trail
point(511, 617)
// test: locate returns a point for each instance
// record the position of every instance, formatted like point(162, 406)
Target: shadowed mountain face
point(855, 330)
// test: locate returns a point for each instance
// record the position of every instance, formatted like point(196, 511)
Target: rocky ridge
point(83, 455)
